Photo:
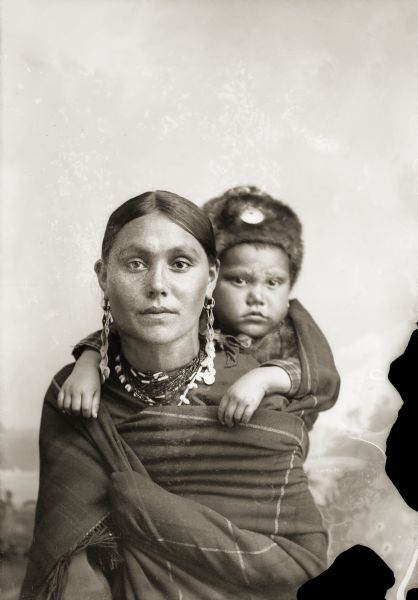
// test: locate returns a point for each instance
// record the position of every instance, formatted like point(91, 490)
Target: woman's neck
point(144, 356)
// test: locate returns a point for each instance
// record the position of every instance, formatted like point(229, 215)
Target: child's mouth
point(255, 316)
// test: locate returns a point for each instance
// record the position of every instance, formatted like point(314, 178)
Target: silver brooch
point(252, 216)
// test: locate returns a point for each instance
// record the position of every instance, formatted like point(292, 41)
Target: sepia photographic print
point(212, 207)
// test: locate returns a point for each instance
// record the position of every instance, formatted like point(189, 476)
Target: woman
point(198, 511)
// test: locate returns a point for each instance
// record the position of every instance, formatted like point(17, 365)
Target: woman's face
point(156, 278)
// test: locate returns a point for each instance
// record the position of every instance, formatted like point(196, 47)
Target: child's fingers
point(239, 411)
point(96, 404)
point(229, 413)
point(86, 405)
point(66, 405)
point(76, 404)
point(247, 414)
point(60, 399)
point(221, 409)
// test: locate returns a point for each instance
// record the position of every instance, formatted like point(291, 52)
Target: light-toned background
point(314, 101)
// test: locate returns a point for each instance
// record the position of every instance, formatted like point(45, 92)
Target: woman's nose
point(255, 295)
point(156, 282)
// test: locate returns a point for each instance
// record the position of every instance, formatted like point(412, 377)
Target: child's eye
point(240, 281)
point(273, 283)
point(181, 264)
point(136, 265)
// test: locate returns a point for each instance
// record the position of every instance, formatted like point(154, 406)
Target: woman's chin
point(161, 333)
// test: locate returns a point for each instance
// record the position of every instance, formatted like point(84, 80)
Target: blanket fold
point(198, 508)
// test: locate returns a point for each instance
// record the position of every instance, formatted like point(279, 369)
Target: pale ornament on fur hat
point(246, 214)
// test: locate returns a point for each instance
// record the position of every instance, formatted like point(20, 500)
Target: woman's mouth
point(157, 310)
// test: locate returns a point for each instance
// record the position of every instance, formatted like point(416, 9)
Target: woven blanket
point(200, 511)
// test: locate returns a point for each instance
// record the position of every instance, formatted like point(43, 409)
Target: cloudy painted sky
point(316, 102)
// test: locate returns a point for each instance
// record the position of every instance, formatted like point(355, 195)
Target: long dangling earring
point(107, 320)
point(209, 370)
point(206, 371)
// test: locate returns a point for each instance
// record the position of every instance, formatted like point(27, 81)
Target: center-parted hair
point(179, 210)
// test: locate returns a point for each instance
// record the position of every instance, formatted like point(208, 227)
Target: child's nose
point(255, 295)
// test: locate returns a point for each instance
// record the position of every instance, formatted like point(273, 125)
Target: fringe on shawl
point(108, 558)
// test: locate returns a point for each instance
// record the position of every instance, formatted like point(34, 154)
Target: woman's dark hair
point(179, 210)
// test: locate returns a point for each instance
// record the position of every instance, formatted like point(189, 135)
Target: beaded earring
point(104, 336)
point(206, 371)
point(209, 371)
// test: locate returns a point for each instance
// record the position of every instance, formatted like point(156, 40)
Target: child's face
point(253, 289)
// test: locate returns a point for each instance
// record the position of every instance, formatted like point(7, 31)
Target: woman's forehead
point(155, 233)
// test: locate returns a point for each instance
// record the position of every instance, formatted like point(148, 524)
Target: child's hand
point(80, 393)
point(243, 398)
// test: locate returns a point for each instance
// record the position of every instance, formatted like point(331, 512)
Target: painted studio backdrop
point(314, 102)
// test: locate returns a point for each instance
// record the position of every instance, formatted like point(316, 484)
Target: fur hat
point(245, 214)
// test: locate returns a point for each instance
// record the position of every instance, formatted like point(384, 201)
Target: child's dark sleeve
point(91, 342)
point(280, 349)
point(292, 367)
point(94, 341)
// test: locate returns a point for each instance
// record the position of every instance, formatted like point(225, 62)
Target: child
point(260, 250)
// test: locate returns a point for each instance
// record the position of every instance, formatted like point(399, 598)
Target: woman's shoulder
point(227, 372)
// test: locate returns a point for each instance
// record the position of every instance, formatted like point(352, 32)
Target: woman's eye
point(181, 265)
point(136, 265)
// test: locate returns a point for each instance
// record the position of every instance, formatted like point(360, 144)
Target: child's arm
point(80, 393)
point(81, 390)
point(292, 367)
point(244, 396)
